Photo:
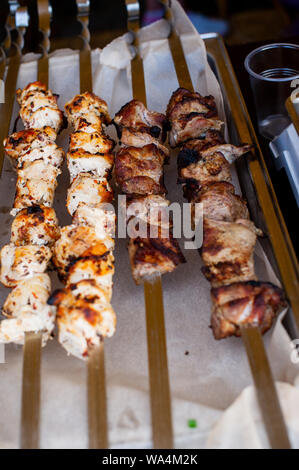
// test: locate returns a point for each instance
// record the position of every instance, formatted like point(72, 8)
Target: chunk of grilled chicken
point(95, 263)
point(36, 184)
point(227, 251)
point(184, 102)
point(244, 304)
point(140, 170)
point(151, 256)
point(139, 138)
point(73, 242)
point(29, 139)
point(134, 115)
point(26, 309)
point(87, 108)
point(220, 202)
point(38, 107)
point(84, 317)
point(102, 219)
point(35, 225)
point(90, 142)
point(88, 190)
point(94, 164)
point(22, 262)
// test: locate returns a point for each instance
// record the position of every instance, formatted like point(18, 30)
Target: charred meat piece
point(88, 190)
point(203, 170)
point(191, 116)
point(90, 142)
point(140, 170)
point(95, 263)
point(39, 107)
point(35, 225)
point(139, 138)
point(134, 115)
point(87, 110)
point(73, 242)
point(85, 162)
point(26, 309)
point(152, 256)
point(101, 219)
point(184, 102)
point(36, 184)
point(190, 127)
point(22, 141)
point(84, 317)
point(227, 251)
point(220, 202)
point(21, 262)
point(244, 304)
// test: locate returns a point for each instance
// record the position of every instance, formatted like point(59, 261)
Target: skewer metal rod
point(265, 389)
point(97, 400)
point(31, 391)
point(158, 365)
point(160, 398)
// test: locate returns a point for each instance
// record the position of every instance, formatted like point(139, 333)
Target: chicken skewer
point(83, 255)
point(30, 320)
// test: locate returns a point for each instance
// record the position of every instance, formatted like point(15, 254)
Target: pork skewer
point(30, 320)
point(266, 391)
point(83, 255)
point(260, 368)
point(229, 236)
point(142, 134)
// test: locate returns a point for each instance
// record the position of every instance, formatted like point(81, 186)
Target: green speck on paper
point(192, 423)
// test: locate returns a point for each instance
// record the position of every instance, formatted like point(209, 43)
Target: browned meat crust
point(134, 115)
point(152, 256)
point(242, 304)
point(140, 170)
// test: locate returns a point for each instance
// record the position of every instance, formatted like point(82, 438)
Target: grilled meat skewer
point(229, 237)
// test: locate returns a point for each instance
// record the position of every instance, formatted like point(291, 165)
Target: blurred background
point(239, 22)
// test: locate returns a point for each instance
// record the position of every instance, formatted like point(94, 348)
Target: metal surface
point(97, 401)
point(265, 387)
point(85, 52)
point(293, 113)
point(31, 391)
point(153, 293)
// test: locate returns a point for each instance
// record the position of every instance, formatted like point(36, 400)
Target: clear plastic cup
point(273, 70)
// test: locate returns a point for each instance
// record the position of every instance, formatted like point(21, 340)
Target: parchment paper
point(210, 380)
